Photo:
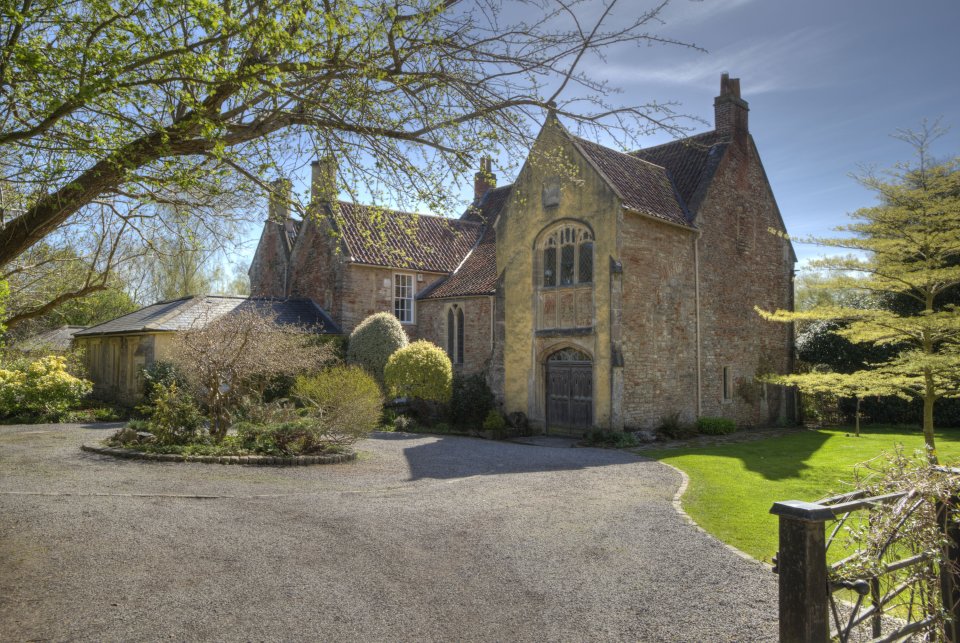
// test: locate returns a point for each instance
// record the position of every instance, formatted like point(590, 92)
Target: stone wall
point(743, 264)
point(477, 327)
point(659, 336)
point(584, 197)
point(317, 268)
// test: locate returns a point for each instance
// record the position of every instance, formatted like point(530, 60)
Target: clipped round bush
point(715, 426)
point(373, 341)
point(345, 400)
point(420, 370)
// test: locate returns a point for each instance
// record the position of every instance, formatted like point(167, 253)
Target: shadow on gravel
point(456, 457)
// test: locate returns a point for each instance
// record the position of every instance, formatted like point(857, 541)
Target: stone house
point(116, 352)
point(607, 290)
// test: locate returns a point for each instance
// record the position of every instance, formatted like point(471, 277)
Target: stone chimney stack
point(279, 200)
point(323, 180)
point(484, 180)
point(730, 111)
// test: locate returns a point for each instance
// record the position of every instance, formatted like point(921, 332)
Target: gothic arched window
point(455, 333)
point(566, 257)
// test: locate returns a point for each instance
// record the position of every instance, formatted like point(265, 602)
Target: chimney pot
point(730, 111)
point(279, 200)
point(323, 180)
point(484, 180)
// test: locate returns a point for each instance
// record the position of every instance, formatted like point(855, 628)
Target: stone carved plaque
point(551, 192)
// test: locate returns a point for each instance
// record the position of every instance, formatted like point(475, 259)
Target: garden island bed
point(253, 460)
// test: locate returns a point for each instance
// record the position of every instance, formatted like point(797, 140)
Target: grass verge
point(733, 486)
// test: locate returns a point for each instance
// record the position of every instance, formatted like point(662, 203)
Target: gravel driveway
point(422, 538)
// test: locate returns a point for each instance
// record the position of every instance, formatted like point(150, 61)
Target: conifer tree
point(907, 249)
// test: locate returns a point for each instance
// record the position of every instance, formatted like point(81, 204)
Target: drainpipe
point(696, 276)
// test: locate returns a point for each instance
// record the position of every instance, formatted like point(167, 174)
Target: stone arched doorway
point(569, 389)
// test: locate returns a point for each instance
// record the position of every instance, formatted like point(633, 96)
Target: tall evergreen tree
point(908, 250)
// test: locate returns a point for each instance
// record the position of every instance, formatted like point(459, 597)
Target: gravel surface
point(422, 538)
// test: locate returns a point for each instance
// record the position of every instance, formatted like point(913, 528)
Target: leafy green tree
point(909, 245)
point(109, 104)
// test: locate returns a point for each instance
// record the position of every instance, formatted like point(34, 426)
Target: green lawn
point(732, 487)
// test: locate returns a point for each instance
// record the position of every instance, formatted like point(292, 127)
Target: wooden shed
point(117, 351)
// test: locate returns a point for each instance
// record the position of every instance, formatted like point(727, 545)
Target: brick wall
point(317, 268)
point(659, 322)
point(743, 265)
point(268, 268)
point(477, 327)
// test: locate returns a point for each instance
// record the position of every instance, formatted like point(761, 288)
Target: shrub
point(373, 341)
point(441, 427)
point(472, 399)
point(420, 370)
point(495, 423)
point(608, 438)
point(237, 356)
point(174, 415)
point(44, 389)
point(345, 400)
point(673, 429)
point(299, 437)
point(715, 426)
point(160, 373)
point(405, 424)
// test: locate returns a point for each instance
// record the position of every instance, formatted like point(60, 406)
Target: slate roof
point(197, 310)
point(57, 339)
point(381, 237)
point(641, 185)
point(691, 162)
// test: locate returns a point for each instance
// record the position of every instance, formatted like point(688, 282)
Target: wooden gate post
point(950, 568)
point(802, 568)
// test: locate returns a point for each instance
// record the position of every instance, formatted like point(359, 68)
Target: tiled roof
point(57, 339)
point(641, 186)
point(476, 276)
point(198, 310)
point(691, 163)
point(490, 205)
point(381, 237)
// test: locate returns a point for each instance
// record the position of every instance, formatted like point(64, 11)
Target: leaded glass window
point(567, 256)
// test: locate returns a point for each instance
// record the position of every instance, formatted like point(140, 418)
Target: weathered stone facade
point(620, 285)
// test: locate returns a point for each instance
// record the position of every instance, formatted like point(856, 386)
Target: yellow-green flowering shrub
point(43, 388)
point(420, 370)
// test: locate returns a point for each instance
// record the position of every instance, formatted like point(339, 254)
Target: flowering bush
point(44, 388)
point(420, 370)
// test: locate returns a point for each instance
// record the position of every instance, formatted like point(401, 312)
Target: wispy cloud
point(795, 60)
point(695, 11)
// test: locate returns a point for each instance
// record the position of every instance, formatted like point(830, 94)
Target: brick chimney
point(323, 180)
point(484, 180)
point(279, 200)
point(730, 111)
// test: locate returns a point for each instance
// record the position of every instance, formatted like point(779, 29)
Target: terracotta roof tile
point(691, 163)
point(381, 237)
point(476, 276)
point(642, 186)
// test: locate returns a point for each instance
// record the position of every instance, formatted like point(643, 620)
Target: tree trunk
point(928, 438)
point(856, 420)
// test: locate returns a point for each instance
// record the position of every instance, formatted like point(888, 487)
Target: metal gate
point(569, 392)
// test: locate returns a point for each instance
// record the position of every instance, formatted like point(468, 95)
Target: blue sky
point(828, 82)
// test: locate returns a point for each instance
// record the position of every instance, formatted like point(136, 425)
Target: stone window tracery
point(567, 257)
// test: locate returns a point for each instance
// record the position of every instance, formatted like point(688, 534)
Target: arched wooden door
point(569, 394)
